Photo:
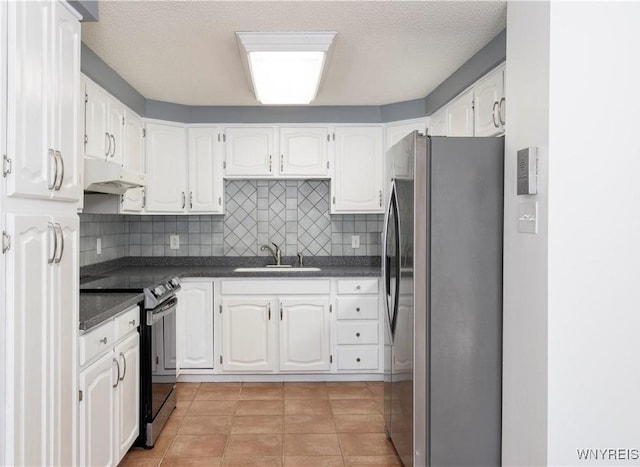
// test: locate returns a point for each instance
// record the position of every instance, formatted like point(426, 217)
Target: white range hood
point(101, 176)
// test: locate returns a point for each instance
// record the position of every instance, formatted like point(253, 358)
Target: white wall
point(572, 292)
point(594, 230)
point(525, 255)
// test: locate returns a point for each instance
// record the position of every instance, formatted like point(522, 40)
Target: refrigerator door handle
point(386, 278)
point(398, 252)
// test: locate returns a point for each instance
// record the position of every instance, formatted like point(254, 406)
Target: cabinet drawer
point(360, 332)
point(358, 307)
point(358, 358)
point(96, 341)
point(127, 322)
point(357, 286)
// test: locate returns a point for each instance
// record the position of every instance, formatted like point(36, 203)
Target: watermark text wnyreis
point(609, 454)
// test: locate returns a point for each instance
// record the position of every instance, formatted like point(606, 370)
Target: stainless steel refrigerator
point(442, 266)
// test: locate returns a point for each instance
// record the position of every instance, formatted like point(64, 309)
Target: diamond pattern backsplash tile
point(241, 219)
point(314, 222)
point(292, 213)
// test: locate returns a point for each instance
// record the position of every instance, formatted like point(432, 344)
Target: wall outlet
point(174, 242)
point(355, 241)
point(99, 246)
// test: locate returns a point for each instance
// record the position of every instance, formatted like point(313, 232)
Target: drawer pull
point(132, 322)
point(358, 359)
point(103, 340)
point(358, 309)
point(357, 287)
point(357, 334)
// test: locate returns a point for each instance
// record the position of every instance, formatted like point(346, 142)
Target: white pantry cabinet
point(250, 152)
point(357, 173)
point(43, 75)
point(304, 152)
point(104, 124)
point(490, 104)
point(109, 385)
point(166, 160)
point(206, 182)
point(459, 115)
point(41, 322)
point(194, 318)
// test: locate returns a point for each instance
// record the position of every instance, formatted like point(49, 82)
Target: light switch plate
point(355, 241)
point(174, 242)
point(528, 217)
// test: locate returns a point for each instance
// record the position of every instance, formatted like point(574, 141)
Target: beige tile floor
point(273, 424)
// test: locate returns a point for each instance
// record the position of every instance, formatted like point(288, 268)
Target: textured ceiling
point(385, 51)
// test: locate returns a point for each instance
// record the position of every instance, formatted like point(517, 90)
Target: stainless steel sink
point(278, 269)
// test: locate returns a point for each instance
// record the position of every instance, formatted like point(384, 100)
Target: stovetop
point(131, 282)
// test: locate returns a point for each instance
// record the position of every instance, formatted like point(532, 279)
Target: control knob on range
point(175, 282)
point(158, 291)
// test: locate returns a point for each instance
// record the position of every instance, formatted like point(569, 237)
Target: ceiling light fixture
point(285, 67)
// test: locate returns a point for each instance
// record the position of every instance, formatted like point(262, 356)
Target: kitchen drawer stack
point(357, 324)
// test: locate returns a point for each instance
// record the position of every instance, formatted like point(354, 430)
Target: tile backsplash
point(293, 213)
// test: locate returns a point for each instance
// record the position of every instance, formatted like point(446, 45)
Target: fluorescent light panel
point(285, 68)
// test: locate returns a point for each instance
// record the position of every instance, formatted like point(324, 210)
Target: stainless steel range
point(157, 383)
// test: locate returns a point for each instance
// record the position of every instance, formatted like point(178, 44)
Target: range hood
point(101, 176)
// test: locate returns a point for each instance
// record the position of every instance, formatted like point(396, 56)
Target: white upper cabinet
point(459, 115)
point(133, 198)
point(304, 334)
point(357, 173)
point(400, 166)
point(250, 152)
point(304, 152)
point(490, 104)
point(104, 125)
point(438, 123)
point(166, 160)
point(43, 45)
point(206, 182)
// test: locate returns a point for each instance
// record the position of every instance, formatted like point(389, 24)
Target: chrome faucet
point(277, 254)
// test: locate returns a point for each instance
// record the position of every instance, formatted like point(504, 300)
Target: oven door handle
point(155, 315)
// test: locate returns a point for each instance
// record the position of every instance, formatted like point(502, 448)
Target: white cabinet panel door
point(96, 130)
point(28, 99)
point(304, 152)
point(133, 200)
point(488, 93)
point(65, 118)
point(115, 118)
point(304, 334)
point(460, 116)
point(249, 152)
point(247, 334)
point(98, 413)
point(206, 183)
point(30, 374)
point(357, 180)
point(438, 123)
point(128, 354)
point(166, 158)
point(196, 316)
point(400, 166)
point(133, 142)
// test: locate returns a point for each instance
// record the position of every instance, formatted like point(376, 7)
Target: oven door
point(159, 381)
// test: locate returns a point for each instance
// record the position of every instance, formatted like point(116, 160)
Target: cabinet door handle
point(58, 228)
point(358, 309)
point(108, 151)
point(124, 361)
point(191, 200)
point(358, 359)
point(58, 155)
point(269, 311)
point(501, 114)
point(144, 198)
point(380, 198)
point(357, 287)
point(132, 322)
point(104, 340)
point(220, 200)
point(184, 200)
point(493, 114)
point(281, 312)
point(357, 334)
point(281, 162)
point(54, 160)
point(117, 377)
point(52, 229)
point(113, 151)
point(270, 164)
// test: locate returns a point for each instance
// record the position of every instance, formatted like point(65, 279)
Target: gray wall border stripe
point(487, 58)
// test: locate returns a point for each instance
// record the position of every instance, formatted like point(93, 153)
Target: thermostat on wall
point(528, 171)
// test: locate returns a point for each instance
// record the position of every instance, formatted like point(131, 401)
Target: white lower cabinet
point(109, 385)
point(194, 323)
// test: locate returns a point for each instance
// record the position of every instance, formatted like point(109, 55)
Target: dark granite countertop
point(96, 308)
